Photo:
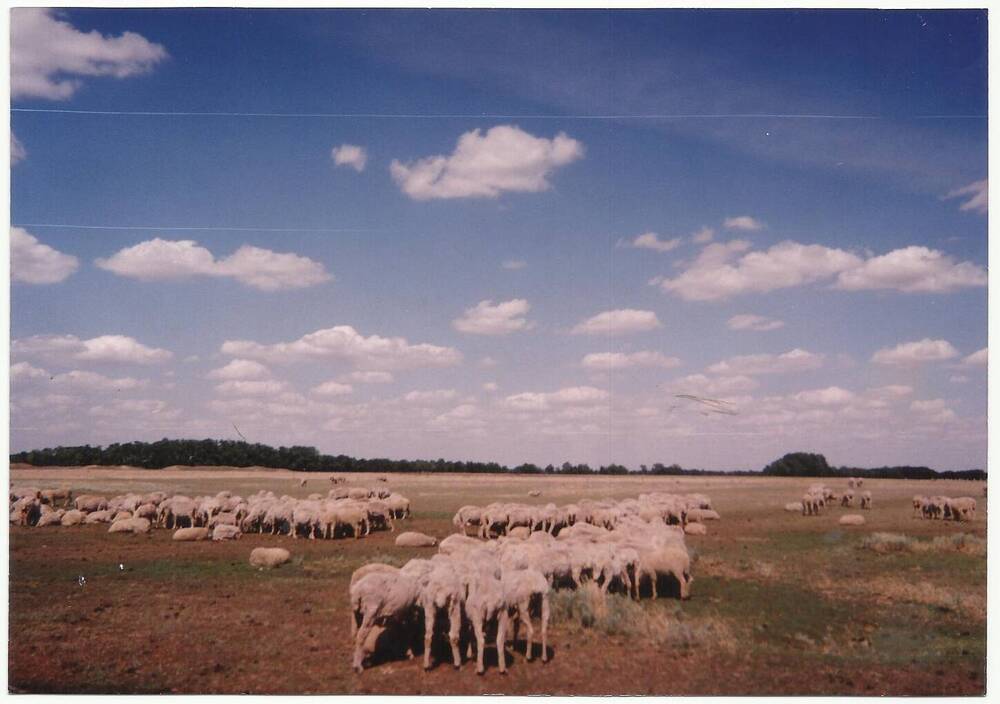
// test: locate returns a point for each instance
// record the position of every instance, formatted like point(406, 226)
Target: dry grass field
point(781, 603)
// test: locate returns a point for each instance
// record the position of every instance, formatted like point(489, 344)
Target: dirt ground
point(781, 603)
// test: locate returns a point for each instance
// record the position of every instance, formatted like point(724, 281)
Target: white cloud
point(350, 155)
point(571, 396)
point(796, 360)
point(650, 240)
point(757, 323)
point(700, 384)
point(17, 150)
point(345, 343)
point(830, 396)
point(45, 52)
point(913, 353)
point(430, 397)
point(743, 222)
point(91, 381)
point(618, 322)
point(23, 370)
point(333, 388)
point(978, 194)
point(240, 369)
point(159, 259)
point(703, 236)
point(370, 377)
point(32, 262)
point(485, 318)
point(251, 388)
point(106, 348)
point(933, 410)
point(912, 270)
point(622, 360)
point(712, 276)
point(505, 158)
point(978, 359)
point(514, 264)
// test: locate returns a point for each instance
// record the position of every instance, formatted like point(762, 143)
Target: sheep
point(866, 500)
point(484, 606)
point(666, 561)
point(520, 533)
point(121, 516)
point(534, 492)
point(847, 499)
point(380, 599)
point(269, 557)
point(963, 508)
point(52, 518)
point(811, 504)
point(147, 511)
point(695, 529)
point(357, 493)
point(370, 568)
point(130, 525)
point(520, 589)
point(54, 496)
point(90, 502)
point(852, 519)
point(399, 505)
point(73, 518)
point(411, 539)
point(191, 534)
point(467, 516)
point(26, 511)
point(225, 531)
point(918, 501)
point(456, 543)
point(98, 517)
point(442, 591)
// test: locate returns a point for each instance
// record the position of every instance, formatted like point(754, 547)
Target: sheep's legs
point(477, 627)
point(429, 617)
point(545, 627)
point(454, 630)
point(501, 641)
point(529, 646)
point(359, 641)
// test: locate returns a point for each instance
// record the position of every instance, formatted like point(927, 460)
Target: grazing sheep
point(130, 525)
point(399, 505)
point(442, 591)
point(98, 517)
point(147, 511)
point(55, 496)
point(73, 518)
point(484, 606)
point(963, 508)
point(467, 516)
point(121, 516)
point(411, 539)
point(695, 529)
point(852, 519)
point(191, 534)
point(52, 518)
point(380, 599)
point(866, 500)
point(918, 501)
point(269, 557)
point(225, 531)
point(520, 533)
point(90, 502)
point(847, 500)
point(456, 543)
point(358, 494)
point(520, 589)
point(371, 568)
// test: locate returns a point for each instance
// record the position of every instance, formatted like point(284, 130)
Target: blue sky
point(545, 231)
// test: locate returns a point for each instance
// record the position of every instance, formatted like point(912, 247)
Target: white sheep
point(380, 599)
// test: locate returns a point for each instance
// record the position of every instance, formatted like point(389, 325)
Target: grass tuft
point(897, 542)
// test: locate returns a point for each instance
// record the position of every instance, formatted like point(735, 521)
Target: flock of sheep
point(225, 516)
point(818, 496)
point(944, 507)
point(498, 580)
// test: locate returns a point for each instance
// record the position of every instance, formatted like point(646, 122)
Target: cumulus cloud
point(159, 259)
point(268, 387)
point(933, 410)
point(333, 388)
point(505, 158)
point(17, 150)
point(757, 323)
point(370, 377)
point(48, 54)
point(622, 360)
point(618, 322)
point(514, 264)
point(703, 236)
point(714, 276)
point(345, 343)
point(743, 222)
point(914, 353)
point(703, 385)
point(912, 270)
point(32, 262)
point(830, 396)
point(485, 318)
point(978, 359)
point(430, 397)
point(73, 380)
point(571, 396)
point(975, 196)
point(106, 348)
point(650, 240)
point(240, 369)
point(796, 360)
point(350, 155)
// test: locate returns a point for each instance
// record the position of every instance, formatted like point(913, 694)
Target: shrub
point(896, 542)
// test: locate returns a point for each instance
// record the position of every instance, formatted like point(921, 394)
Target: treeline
point(234, 453)
point(805, 464)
